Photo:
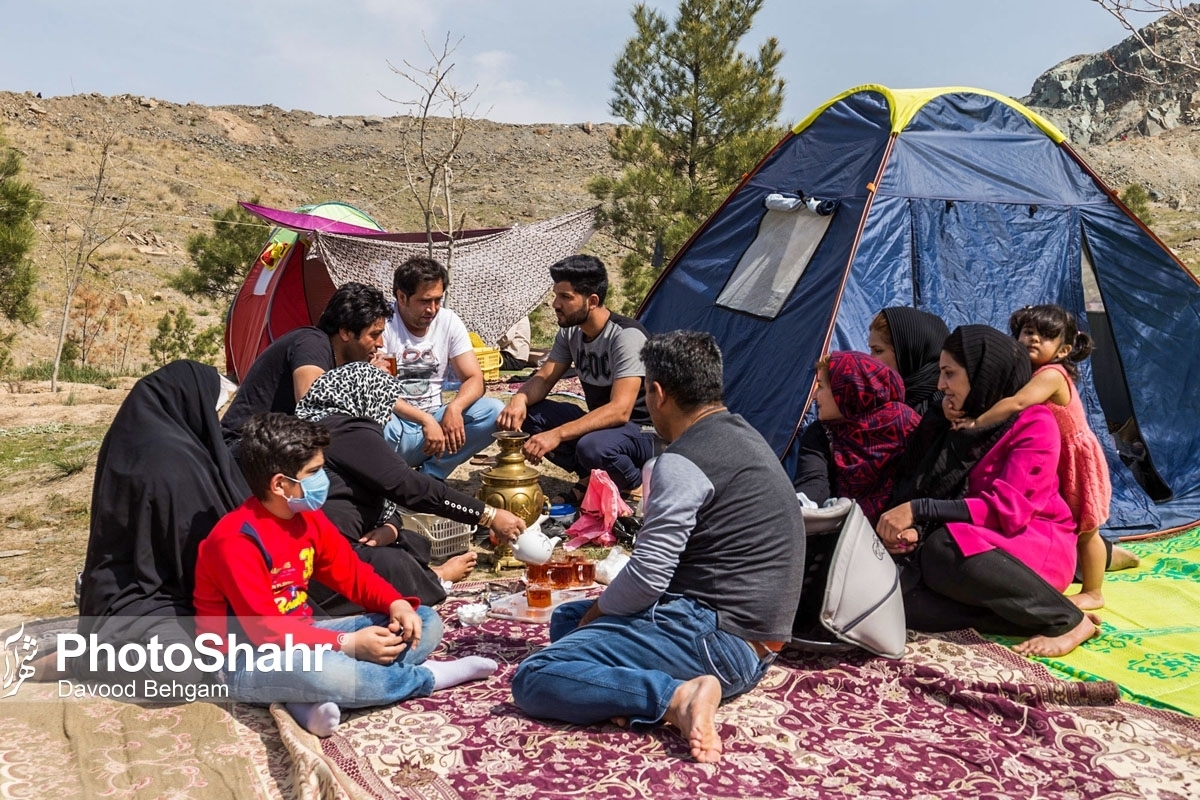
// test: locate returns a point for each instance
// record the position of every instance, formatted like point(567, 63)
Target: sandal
point(573, 497)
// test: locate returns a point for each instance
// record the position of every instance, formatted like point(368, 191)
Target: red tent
point(289, 284)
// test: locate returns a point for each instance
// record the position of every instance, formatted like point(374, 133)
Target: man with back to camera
point(514, 345)
point(350, 329)
point(709, 594)
point(426, 338)
point(604, 348)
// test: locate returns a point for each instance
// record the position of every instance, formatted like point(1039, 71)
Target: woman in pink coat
point(987, 541)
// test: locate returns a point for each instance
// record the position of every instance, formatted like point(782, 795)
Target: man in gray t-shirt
point(613, 433)
point(708, 597)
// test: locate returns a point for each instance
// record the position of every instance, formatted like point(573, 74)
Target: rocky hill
point(1125, 91)
point(177, 164)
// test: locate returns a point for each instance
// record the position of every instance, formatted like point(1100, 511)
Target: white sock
point(319, 719)
point(459, 670)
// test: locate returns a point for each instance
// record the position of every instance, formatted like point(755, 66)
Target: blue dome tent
point(964, 203)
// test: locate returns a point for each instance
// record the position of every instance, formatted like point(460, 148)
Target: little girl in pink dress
point(1055, 345)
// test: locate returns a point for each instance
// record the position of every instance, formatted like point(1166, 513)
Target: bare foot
point(693, 710)
point(1053, 646)
point(1122, 559)
point(1088, 601)
point(45, 669)
point(620, 722)
point(455, 569)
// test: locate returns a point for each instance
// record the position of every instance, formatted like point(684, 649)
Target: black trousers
point(119, 631)
point(405, 565)
point(511, 363)
point(992, 592)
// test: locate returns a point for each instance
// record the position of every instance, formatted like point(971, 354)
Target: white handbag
point(859, 585)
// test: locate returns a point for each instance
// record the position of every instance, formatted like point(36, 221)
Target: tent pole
point(872, 188)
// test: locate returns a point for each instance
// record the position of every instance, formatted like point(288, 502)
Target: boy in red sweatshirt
point(252, 576)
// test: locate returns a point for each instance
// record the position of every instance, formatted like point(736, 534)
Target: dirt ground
point(44, 512)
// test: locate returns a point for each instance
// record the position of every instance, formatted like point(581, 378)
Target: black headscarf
point(917, 338)
point(939, 458)
point(163, 479)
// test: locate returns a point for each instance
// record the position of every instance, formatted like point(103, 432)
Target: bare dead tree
point(102, 217)
point(429, 158)
point(1133, 16)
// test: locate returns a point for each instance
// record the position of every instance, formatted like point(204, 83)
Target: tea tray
point(514, 606)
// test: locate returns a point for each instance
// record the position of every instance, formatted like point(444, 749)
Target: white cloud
point(493, 60)
point(507, 94)
point(415, 14)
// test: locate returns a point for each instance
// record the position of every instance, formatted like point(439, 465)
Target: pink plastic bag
point(601, 506)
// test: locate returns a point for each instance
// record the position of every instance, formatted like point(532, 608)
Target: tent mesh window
point(494, 280)
point(775, 261)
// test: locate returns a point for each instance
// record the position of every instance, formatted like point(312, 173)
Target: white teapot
point(533, 546)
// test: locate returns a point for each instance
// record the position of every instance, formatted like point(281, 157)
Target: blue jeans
point(619, 451)
point(407, 438)
point(631, 666)
point(344, 680)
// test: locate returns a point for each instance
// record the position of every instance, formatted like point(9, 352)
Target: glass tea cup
point(389, 361)
point(538, 595)
point(562, 574)
point(537, 573)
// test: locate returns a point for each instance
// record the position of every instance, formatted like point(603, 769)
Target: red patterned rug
point(567, 386)
point(956, 717)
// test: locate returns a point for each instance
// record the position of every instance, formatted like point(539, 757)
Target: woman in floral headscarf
point(860, 404)
point(368, 481)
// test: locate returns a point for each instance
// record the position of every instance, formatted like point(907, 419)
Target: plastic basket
point(489, 361)
point(447, 537)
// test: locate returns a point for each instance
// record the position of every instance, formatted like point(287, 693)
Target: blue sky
point(546, 61)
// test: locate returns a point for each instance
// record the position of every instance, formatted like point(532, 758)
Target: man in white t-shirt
point(425, 339)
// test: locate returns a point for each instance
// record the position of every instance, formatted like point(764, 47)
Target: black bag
point(626, 530)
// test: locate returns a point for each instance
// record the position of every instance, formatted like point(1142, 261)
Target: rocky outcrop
point(1125, 90)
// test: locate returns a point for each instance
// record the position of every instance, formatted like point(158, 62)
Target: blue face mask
point(315, 488)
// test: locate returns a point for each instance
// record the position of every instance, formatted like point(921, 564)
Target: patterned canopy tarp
point(494, 280)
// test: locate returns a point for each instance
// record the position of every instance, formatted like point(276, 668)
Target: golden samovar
point(512, 485)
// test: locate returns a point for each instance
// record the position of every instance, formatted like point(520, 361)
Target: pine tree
point(701, 115)
point(176, 337)
point(221, 261)
point(1137, 199)
point(20, 205)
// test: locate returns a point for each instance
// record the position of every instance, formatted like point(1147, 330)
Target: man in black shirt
point(350, 329)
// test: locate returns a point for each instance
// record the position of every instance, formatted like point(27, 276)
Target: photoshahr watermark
point(87, 666)
point(19, 651)
point(210, 654)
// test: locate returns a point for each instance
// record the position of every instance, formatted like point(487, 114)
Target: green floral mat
point(1149, 641)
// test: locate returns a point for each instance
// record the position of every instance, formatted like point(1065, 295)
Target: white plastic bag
point(613, 563)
